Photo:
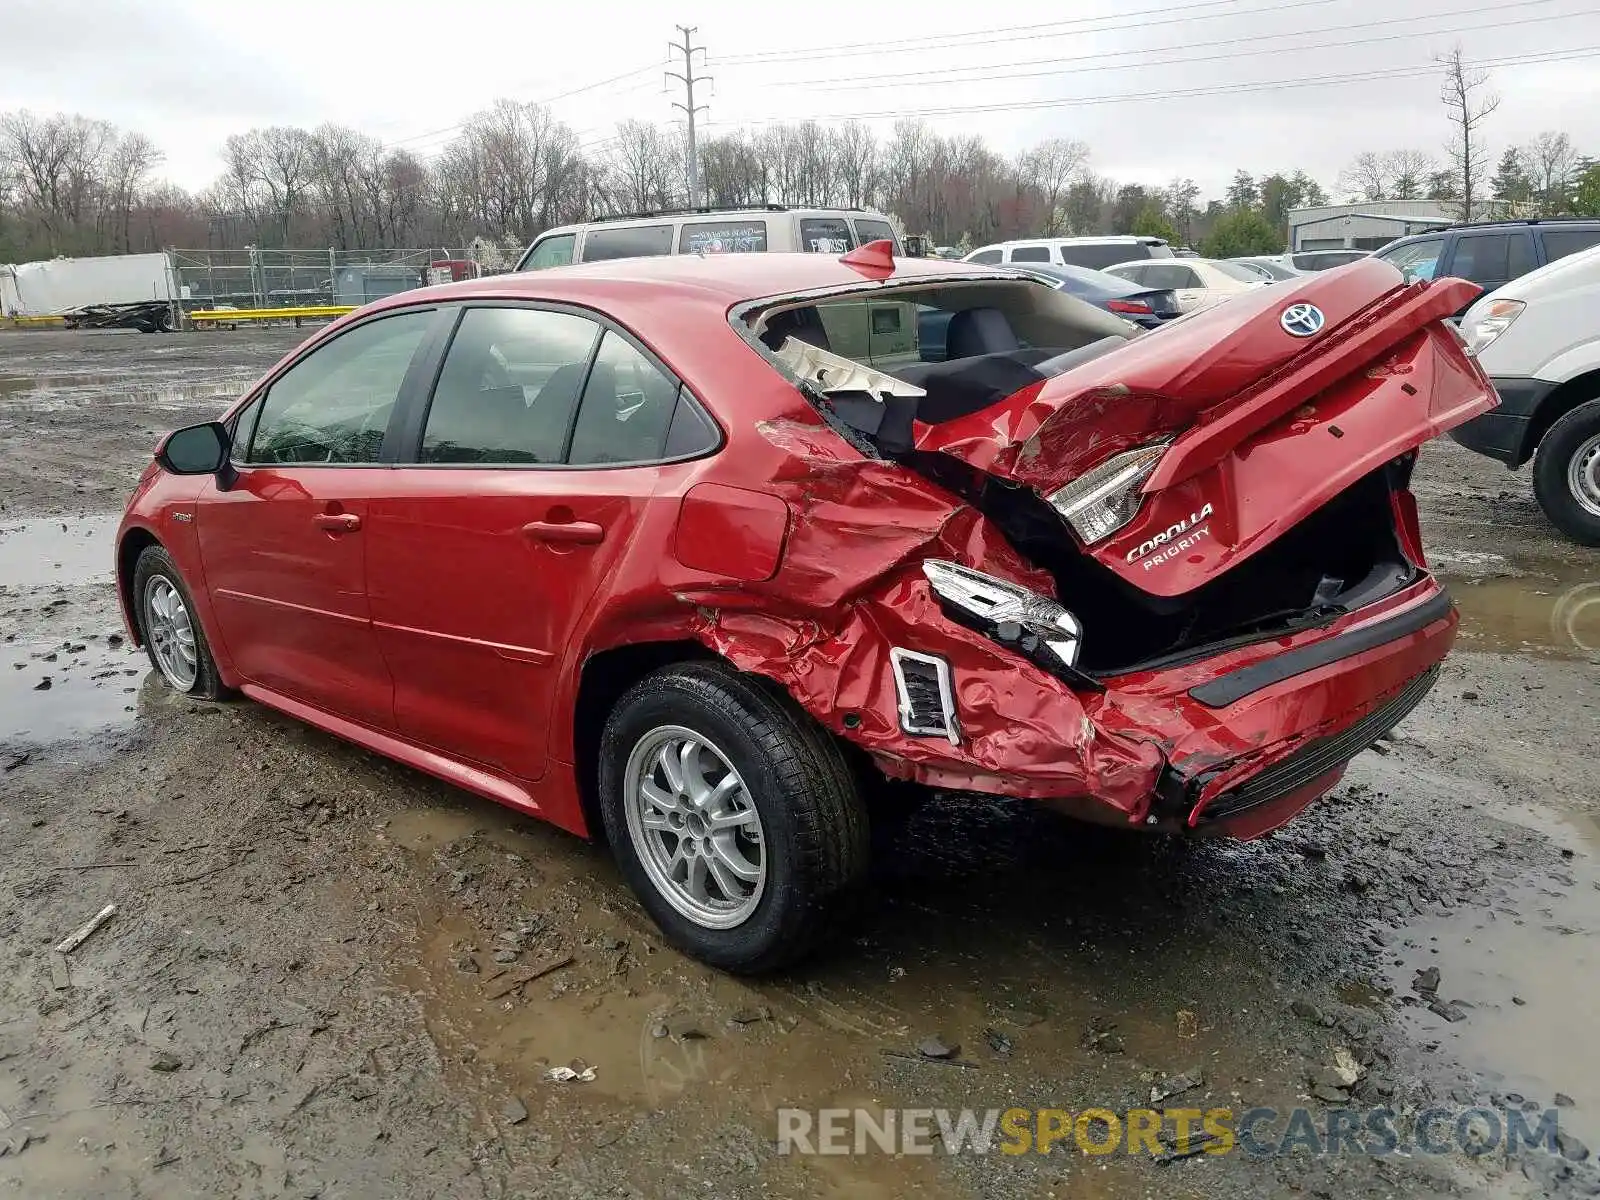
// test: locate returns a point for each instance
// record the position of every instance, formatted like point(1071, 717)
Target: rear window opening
point(964, 345)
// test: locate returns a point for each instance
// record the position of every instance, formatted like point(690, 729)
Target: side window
point(1167, 276)
point(1098, 256)
point(627, 407)
point(1519, 256)
point(987, 257)
point(1031, 254)
point(1133, 273)
point(825, 235)
point(1419, 260)
point(243, 429)
point(1558, 243)
point(875, 231)
point(723, 237)
point(509, 386)
point(1484, 258)
point(333, 406)
point(550, 252)
point(628, 241)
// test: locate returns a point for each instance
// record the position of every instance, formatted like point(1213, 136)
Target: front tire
point(732, 815)
point(1566, 474)
point(171, 631)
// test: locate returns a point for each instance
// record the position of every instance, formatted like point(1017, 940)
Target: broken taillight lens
point(1009, 611)
point(1102, 501)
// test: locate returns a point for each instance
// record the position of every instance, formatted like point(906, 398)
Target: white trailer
point(45, 289)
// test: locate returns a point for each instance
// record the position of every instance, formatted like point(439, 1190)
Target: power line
point(577, 91)
point(1016, 33)
point(1167, 94)
point(1004, 71)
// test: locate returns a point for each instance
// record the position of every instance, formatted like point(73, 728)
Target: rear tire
point(1566, 474)
point(716, 776)
point(170, 628)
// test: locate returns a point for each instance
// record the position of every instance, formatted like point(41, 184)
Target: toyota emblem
point(1302, 320)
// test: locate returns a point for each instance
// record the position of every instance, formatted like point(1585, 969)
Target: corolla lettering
point(1167, 535)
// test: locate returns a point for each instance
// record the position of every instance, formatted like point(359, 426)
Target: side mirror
point(197, 450)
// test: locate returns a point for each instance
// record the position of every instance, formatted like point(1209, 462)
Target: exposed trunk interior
point(1345, 555)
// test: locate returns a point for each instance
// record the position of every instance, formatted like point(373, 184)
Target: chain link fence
point(257, 279)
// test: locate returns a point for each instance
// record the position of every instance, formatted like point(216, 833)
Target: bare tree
point(1467, 105)
point(1550, 161)
point(1407, 172)
point(855, 155)
point(1049, 168)
point(1366, 176)
point(643, 170)
point(1178, 203)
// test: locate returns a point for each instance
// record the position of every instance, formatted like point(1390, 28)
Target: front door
point(534, 466)
point(284, 545)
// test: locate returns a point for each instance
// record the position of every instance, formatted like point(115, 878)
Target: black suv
point(1490, 253)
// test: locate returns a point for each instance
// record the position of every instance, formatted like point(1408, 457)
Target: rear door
point(524, 478)
point(284, 546)
point(1493, 258)
point(1182, 280)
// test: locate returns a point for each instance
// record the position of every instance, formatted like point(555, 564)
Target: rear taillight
point(1138, 307)
point(1102, 501)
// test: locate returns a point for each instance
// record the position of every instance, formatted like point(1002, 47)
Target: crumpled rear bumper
point(1231, 745)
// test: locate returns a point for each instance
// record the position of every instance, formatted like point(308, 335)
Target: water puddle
point(57, 551)
point(66, 692)
point(53, 392)
point(1515, 991)
point(1532, 606)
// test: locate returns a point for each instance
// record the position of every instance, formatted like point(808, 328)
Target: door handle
point(585, 533)
point(338, 522)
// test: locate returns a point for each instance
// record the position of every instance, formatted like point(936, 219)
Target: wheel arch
point(605, 677)
point(1580, 389)
point(134, 543)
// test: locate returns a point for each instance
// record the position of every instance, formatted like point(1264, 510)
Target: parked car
point(1272, 267)
point(703, 231)
point(1490, 253)
point(1096, 253)
point(1196, 282)
point(1311, 261)
point(1538, 337)
point(1143, 306)
point(645, 555)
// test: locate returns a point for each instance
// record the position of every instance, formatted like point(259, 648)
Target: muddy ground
point(306, 989)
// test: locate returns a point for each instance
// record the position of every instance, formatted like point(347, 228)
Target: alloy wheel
point(170, 630)
point(695, 827)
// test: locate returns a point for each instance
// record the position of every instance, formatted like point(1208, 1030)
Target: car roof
point(712, 215)
point(717, 281)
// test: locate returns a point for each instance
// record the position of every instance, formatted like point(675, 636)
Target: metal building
point(1363, 226)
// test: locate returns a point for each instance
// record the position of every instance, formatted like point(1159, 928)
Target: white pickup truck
point(1538, 337)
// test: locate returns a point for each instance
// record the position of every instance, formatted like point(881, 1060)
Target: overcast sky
point(1292, 83)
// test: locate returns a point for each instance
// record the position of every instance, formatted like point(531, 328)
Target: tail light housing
point(1136, 308)
point(1101, 501)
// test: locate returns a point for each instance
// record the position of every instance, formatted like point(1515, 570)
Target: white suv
point(1096, 253)
point(1538, 337)
point(775, 228)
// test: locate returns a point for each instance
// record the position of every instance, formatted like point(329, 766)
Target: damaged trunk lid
point(1232, 426)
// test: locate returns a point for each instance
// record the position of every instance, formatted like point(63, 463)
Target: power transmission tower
point(688, 78)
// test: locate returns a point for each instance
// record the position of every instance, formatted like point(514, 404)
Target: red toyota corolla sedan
point(700, 551)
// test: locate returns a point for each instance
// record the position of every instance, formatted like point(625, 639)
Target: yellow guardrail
point(226, 315)
point(25, 322)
